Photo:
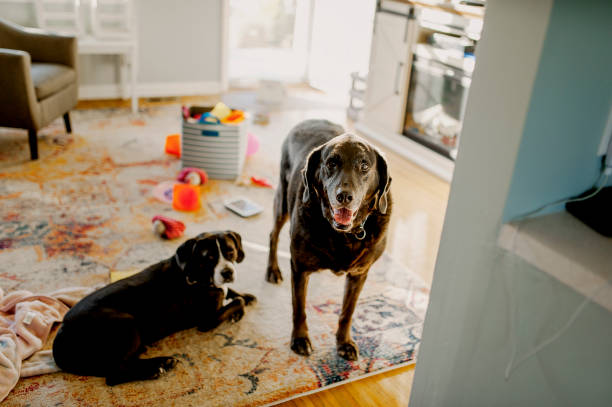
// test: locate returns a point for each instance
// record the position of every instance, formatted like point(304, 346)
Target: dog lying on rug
point(181, 292)
point(334, 186)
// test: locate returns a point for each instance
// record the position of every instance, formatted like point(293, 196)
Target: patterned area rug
point(84, 209)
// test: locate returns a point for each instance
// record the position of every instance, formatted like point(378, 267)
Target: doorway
point(268, 40)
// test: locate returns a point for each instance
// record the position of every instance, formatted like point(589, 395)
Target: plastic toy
point(193, 176)
point(186, 197)
point(235, 117)
point(262, 182)
point(252, 144)
point(208, 117)
point(163, 191)
point(120, 275)
point(221, 111)
point(185, 111)
point(167, 227)
point(173, 144)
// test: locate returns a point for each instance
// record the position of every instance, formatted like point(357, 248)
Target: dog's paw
point(249, 299)
point(142, 369)
point(237, 316)
point(164, 364)
point(167, 363)
point(348, 350)
point(274, 276)
point(301, 346)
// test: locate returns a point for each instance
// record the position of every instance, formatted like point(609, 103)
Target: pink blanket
point(25, 323)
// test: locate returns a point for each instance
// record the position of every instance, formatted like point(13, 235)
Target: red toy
point(167, 227)
point(193, 176)
point(262, 182)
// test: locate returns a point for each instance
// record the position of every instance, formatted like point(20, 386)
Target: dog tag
point(29, 317)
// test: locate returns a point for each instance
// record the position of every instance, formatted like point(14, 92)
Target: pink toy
point(163, 191)
point(252, 144)
point(193, 176)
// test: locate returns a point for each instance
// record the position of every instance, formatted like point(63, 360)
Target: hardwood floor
point(420, 201)
point(390, 389)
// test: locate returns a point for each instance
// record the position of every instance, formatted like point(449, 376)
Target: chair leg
point(32, 138)
point(67, 122)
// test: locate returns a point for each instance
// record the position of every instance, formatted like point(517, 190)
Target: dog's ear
point(238, 242)
point(384, 182)
point(309, 173)
point(184, 253)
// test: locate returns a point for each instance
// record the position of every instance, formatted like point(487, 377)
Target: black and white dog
point(104, 333)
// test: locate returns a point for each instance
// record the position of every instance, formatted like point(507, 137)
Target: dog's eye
point(364, 166)
point(331, 164)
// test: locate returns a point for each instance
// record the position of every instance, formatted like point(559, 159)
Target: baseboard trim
point(153, 89)
point(422, 156)
point(87, 92)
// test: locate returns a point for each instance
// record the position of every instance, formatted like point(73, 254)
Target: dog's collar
point(361, 232)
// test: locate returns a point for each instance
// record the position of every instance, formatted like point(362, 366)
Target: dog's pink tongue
point(343, 216)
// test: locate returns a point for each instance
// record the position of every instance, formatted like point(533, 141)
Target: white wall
point(507, 58)
point(180, 49)
point(484, 301)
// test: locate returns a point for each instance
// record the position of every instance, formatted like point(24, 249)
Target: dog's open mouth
point(343, 216)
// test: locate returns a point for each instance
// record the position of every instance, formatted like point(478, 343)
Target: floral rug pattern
point(83, 210)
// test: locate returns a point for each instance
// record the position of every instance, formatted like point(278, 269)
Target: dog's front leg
point(233, 311)
point(300, 342)
point(249, 299)
point(346, 347)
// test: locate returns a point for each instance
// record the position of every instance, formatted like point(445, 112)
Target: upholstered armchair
point(38, 79)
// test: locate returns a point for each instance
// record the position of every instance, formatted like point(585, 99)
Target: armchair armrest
point(41, 45)
point(18, 104)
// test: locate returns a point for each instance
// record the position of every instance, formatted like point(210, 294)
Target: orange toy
point(186, 197)
point(173, 144)
point(235, 117)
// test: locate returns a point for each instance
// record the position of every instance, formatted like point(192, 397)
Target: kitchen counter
point(459, 9)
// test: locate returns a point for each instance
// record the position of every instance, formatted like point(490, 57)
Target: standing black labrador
point(105, 332)
point(335, 187)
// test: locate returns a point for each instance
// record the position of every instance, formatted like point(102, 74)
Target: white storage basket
point(218, 149)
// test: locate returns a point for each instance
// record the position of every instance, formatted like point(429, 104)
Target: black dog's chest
point(176, 313)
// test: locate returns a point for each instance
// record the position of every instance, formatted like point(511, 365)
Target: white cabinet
point(390, 62)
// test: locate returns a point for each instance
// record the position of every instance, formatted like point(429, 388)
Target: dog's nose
point(344, 197)
point(227, 274)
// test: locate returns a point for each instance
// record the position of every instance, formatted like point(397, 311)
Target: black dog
point(104, 333)
point(335, 188)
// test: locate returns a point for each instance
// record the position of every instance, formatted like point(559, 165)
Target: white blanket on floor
point(25, 323)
